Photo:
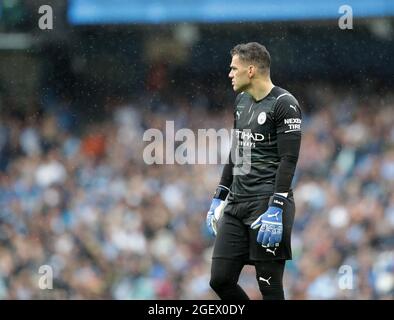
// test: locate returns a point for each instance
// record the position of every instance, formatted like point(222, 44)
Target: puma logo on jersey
point(295, 109)
point(265, 280)
point(271, 251)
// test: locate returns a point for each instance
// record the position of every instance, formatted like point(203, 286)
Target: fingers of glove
point(209, 224)
point(208, 219)
point(272, 239)
point(214, 224)
point(260, 234)
point(267, 235)
point(256, 224)
point(279, 235)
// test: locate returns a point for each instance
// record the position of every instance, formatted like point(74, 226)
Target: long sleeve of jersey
point(288, 120)
point(227, 174)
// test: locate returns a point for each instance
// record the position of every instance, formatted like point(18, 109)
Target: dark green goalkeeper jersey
point(265, 145)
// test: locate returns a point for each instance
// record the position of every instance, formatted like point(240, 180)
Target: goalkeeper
point(252, 211)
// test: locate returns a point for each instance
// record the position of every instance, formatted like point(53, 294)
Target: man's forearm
point(288, 148)
point(285, 175)
point(227, 174)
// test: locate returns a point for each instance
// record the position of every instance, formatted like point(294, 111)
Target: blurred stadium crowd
point(79, 198)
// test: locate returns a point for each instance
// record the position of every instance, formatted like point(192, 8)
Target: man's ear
point(251, 71)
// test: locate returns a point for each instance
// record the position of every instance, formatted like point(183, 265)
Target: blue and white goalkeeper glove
point(216, 210)
point(270, 222)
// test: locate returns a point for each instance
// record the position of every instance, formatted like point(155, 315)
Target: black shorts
point(236, 240)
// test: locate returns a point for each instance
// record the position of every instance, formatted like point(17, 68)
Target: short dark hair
point(253, 52)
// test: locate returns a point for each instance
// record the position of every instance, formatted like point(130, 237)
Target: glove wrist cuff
point(277, 201)
point(221, 192)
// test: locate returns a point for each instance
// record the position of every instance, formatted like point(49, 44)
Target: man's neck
point(261, 89)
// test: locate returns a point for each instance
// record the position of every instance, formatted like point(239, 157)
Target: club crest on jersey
point(261, 118)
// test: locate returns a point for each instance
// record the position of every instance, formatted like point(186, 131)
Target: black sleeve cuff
point(277, 201)
point(221, 192)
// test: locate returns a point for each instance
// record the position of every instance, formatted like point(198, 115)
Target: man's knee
point(220, 280)
point(269, 276)
point(224, 274)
